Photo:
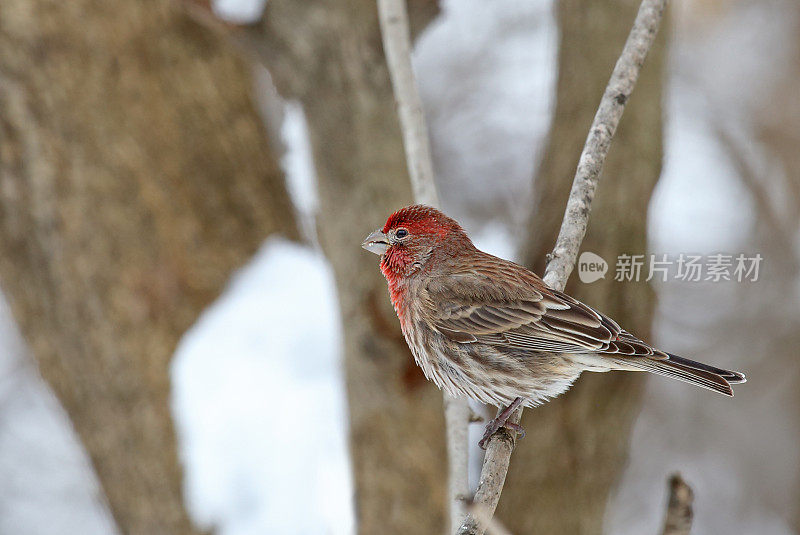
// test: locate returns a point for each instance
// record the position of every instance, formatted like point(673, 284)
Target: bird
point(488, 329)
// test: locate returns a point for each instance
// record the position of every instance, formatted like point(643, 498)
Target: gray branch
point(457, 415)
point(604, 125)
point(493, 477)
point(678, 520)
point(397, 48)
point(573, 226)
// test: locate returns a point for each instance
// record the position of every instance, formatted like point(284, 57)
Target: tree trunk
point(135, 177)
point(329, 56)
point(563, 470)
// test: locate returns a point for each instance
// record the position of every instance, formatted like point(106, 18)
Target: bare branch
point(679, 516)
point(397, 48)
point(493, 477)
point(457, 415)
point(576, 218)
point(604, 125)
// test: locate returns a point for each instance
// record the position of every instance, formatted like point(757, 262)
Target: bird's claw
point(516, 428)
point(491, 428)
point(502, 421)
point(495, 425)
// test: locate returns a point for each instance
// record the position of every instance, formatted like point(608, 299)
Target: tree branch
point(457, 416)
point(678, 520)
point(397, 48)
point(574, 224)
point(604, 125)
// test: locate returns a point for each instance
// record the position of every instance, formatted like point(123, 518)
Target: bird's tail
point(690, 371)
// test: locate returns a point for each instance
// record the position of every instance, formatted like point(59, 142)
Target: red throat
point(396, 288)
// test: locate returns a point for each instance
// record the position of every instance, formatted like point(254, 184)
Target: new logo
point(591, 267)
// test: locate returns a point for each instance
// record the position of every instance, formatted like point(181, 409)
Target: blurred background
point(192, 341)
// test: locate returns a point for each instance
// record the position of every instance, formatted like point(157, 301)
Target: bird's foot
point(502, 421)
point(518, 429)
point(494, 426)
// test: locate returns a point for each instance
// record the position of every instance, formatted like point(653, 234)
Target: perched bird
point(491, 330)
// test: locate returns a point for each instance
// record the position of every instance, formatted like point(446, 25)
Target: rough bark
point(328, 55)
point(134, 177)
point(569, 461)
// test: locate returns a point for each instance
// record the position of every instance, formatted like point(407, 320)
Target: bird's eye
point(401, 233)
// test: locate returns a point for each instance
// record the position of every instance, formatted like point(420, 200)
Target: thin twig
point(397, 47)
point(493, 477)
point(457, 415)
point(678, 520)
point(604, 125)
point(576, 218)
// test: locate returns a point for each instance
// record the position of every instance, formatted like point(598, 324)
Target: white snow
point(258, 402)
point(298, 165)
point(238, 11)
point(47, 485)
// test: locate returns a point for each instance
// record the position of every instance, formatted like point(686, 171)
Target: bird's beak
point(376, 243)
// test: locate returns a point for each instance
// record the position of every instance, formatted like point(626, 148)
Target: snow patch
point(259, 405)
point(239, 11)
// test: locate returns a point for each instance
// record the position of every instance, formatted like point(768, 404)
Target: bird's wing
point(522, 313)
point(497, 302)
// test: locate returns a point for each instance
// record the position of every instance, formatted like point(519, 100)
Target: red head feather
point(422, 219)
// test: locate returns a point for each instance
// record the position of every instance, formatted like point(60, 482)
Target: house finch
point(486, 328)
